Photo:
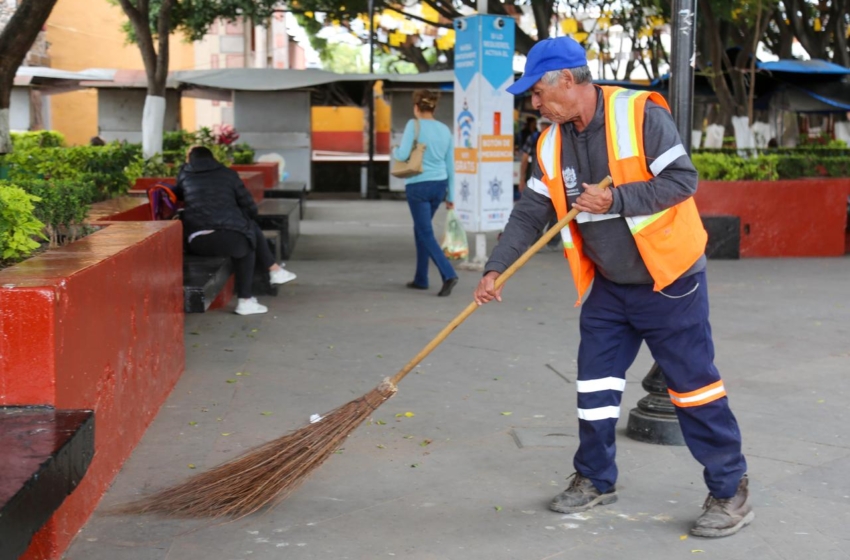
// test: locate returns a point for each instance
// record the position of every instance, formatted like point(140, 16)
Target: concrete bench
point(724, 237)
point(290, 189)
point(208, 281)
point(204, 278)
point(281, 214)
point(44, 454)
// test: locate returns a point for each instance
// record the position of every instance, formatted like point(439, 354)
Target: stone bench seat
point(290, 189)
point(44, 454)
point(207, 278)
point(282, 215)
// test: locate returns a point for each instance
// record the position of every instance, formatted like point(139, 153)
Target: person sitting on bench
point(219, 220)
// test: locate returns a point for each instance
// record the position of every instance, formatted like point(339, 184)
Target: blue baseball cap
point(557, 53)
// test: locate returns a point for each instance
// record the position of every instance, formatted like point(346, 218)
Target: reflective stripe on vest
point(627, 140)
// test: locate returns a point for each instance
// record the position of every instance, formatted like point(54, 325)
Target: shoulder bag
point(413, 165)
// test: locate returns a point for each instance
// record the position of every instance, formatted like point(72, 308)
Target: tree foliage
point(416, 20)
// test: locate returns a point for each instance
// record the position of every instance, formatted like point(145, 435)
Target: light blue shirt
point(438, 161)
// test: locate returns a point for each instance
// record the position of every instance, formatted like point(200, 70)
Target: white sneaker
point(281, 276)
point(250, 307)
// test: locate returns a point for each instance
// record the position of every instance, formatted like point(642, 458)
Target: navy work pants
point(674, 323)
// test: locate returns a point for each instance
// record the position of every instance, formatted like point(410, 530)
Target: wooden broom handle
point(503, 277)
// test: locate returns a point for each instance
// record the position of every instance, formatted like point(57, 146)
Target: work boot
point(725, 517)
point(581, 495)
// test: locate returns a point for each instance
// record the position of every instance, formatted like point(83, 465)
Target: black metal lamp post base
point(654, 419)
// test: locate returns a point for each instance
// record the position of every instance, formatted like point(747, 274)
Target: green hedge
point(62, 205)
point(104, 166)
point(37, 139)
point(18, 224)
point(720, 165)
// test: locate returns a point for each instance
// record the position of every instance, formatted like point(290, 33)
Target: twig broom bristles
point(270, 472)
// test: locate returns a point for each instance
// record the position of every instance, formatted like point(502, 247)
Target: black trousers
point(236, 245)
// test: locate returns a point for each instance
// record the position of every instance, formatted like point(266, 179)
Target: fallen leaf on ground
point(231, 381)
point(380, 422)
point(498, 508)
point(191, 465)
point(193, 423)
point(683, 537)
point(507, 413)
point(266, 413)
point(225, 434)
point(425, 442)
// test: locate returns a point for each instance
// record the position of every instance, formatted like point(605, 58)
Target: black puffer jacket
point(215, 198)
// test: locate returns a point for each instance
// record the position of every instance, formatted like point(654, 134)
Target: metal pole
point(654, 419)
point(683, 49)
point(371, 188)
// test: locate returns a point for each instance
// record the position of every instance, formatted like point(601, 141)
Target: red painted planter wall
point(121, 209)
point(97, 325)
point(786, 218)
point(269, 169)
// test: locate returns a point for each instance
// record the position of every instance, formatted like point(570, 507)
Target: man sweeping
point(642, 246)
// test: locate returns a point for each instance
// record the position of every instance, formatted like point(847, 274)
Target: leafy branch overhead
point(418, 32)
point(192, 18)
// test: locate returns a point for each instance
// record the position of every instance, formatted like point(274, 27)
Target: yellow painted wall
point(87, 34)
point(336, 119)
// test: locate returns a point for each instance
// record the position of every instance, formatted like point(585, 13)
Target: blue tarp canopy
point(790, 66)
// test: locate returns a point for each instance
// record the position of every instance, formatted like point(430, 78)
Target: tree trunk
point(5, 102)
point(15, 41)
point(156, 68)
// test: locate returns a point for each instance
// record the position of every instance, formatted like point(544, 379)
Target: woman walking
point(427, 190)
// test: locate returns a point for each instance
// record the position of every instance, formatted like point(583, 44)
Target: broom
point(270, 472)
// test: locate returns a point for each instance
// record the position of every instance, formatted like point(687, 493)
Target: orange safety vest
point(670, 241)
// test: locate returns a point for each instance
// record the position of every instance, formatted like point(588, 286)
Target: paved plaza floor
point(468, 475)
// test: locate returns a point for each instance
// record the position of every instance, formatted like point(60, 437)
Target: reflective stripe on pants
point(615, 319)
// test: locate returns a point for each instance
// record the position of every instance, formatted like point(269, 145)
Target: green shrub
point(177, 141)
point(37, 139)
point(723, 166)
point(62, 205)
point(101, 165)
point(18, 224)
point(153, 167)
point(174, 157)
point(243, 154)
